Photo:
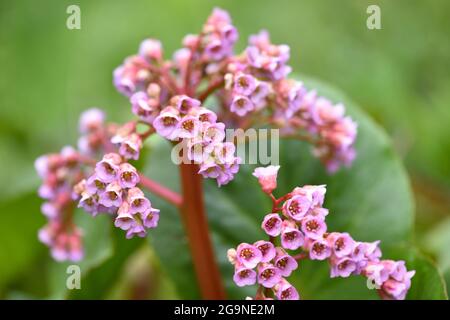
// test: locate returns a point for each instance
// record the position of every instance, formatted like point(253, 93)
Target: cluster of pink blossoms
point(112, 188)
point(167, 97)
point(251, 87)
point(301, 226)
point(108, 186)
point(60, 172)
point(185, 119)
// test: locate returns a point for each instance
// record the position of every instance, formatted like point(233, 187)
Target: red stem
point(161, 191)
point(196, 226)
point(212, 87)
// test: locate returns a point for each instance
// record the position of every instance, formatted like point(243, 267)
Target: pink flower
point(138, 201)
point(128, 177)
point(89, 203)
point(267, 177)
point(272, 224)
point(291, 237)
point(267, 249)
point(244, 84)
point(144, 107)
point(248, 255)
point(313, 227)
point(166, 123)
point(107, 169)
point(285, 291)
point(130, 146)
point(341, 243)
point(297, 207)
point(343, 267)
point(268, 275)
point(319, 250)
point(94, 185)
point(244, 276)
point(91, 119)
point(124, 219)
point(184, 104)
point(285, 263)
point(151, 49)
point(188, 127)
point(112, 197)
point(241, 105)
point(150, 218)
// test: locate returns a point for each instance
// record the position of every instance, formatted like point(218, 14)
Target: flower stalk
point(196, 226)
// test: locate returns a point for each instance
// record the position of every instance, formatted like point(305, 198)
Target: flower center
point(127, 176)
point(312, 225)
point(188, 125)
point(168, 121)
point(271, 223)
point(247, 253)
point(244, 273)
point(99, 185)
point(339, 244)
point(112, 195)
point(285, 294)
point(291, 236)
point(264, 248)
point(268, 273)
point(282, 263)
point(108, 168)
point(294, 208)
point(318, 248)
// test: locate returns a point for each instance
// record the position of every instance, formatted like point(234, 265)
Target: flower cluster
point(333, 134)
point(92, 130)
point(298, 219)
point(391, 277)
point(137, 71)
point(256, 82)
point(112, 188)
point(128, 141)
point(167, 97)
point(185, 119)
point(60, 172)
point(217, 39)
point(251, 85)
point(272, 264)
point(247, 93)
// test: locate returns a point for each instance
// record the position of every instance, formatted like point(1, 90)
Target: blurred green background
point(399, 75)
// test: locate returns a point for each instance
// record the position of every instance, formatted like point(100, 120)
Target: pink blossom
point(267, 177)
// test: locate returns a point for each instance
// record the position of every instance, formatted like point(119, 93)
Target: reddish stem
point(300, 256)
point(196, 226)
point(161, 191)
point(210, 89)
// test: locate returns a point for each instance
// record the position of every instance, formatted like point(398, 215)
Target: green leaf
point(18, 235)
point(372, 200)
point(437, 240)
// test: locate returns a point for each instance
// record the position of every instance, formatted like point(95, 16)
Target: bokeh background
point(399, 75)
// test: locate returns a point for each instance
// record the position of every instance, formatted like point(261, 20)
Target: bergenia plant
point(168, 97)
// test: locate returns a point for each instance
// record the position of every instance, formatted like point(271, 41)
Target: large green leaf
point(18, 235)
point(372, 200)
